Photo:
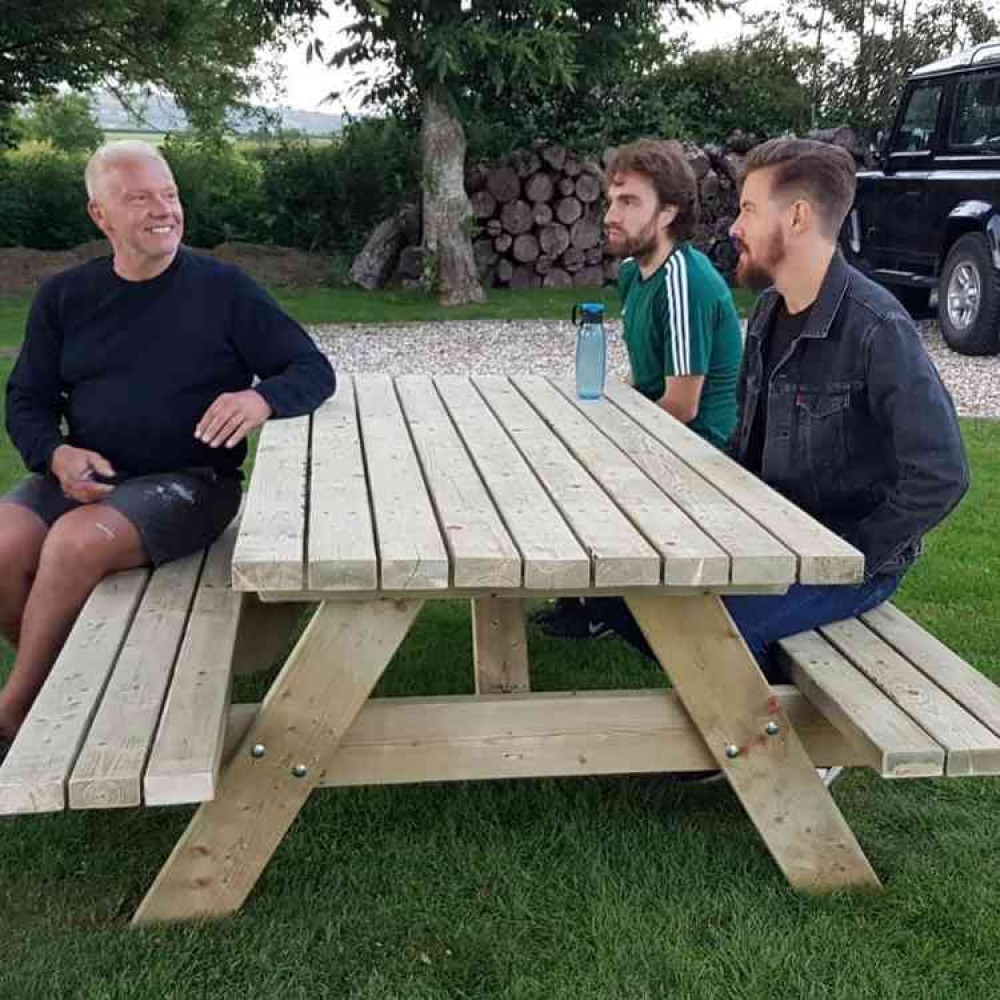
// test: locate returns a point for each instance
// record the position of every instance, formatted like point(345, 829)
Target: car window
point(977, 113)
point(919, 120)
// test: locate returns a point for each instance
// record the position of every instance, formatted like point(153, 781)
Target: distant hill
point(163, 115)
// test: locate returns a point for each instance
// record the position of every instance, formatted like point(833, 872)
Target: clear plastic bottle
point(591, 349)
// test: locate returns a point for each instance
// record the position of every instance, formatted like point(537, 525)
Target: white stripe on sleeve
point(682, 278)
point(676, 280)
point(668, 280)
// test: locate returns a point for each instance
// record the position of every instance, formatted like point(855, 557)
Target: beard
point(642, 246)
point(759, 274)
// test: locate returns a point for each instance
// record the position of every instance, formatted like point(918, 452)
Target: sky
point(307, 84)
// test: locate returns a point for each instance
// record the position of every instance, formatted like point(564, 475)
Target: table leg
point(748, 733)
point(313, 701)
point(500, 645)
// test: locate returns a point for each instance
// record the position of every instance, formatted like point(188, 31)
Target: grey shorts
point(175, 513)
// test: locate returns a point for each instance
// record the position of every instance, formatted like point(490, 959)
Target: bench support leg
point(500, 645)
point(312, 703)
point(748, 733)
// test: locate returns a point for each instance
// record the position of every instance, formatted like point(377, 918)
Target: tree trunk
point(446, 206)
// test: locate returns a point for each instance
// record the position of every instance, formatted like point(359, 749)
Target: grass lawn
point(605, 888)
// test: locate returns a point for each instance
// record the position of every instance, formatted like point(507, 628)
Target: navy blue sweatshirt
point(133, 366)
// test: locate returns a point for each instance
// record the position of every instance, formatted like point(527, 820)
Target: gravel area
point(546, 347)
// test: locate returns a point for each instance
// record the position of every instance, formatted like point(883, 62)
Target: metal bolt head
point(772, 729)
point(732, 750)
point(300, 770)
point(258, 751)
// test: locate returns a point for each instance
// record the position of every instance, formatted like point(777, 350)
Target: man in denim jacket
point(840, 408)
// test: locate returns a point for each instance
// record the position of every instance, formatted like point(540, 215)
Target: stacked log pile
point(538, 218)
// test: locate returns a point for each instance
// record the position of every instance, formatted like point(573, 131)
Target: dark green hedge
point(291, 193)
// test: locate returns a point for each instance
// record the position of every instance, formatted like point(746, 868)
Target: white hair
point(111, 154)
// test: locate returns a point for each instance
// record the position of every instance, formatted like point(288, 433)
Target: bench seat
point(908, 704)
point(136, 707)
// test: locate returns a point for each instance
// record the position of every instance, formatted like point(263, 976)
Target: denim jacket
point(860, 431)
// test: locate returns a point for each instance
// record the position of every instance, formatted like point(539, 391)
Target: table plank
point(552, 556)
point(341, 534)
point(412, 554)
point(620, 555)
point(270, 549)
point(482, 553)
point(823, 557)
point(108, 772)
point(756, 555)
point(689, 556)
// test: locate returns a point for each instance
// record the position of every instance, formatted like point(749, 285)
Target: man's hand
point(75, 469)
point(232, 417)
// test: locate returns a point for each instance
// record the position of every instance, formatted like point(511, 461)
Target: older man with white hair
point(130, 403)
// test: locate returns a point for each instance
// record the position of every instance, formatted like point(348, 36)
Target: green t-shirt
point(681, 321)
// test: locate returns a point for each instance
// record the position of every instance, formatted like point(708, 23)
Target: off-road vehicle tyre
point(969, 298)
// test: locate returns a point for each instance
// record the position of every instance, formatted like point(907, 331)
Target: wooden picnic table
point(402, 490)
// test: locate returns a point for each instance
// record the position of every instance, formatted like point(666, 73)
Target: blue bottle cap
point(589, 312)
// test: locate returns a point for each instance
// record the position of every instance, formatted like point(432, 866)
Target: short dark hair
point(821, 173)
point(664, 164)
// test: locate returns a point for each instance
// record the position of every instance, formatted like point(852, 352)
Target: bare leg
point(22, 533)
point(81, 548)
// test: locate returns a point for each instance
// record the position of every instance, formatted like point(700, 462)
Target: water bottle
point(590, 350)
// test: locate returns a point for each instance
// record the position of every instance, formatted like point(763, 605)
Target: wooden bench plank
point(271, 547)
point(689, 556)
point(184, 762)
point(887, 739)
point(756, 556)
point(342, 552)
point(971, 748)
point(974, 692)
point(553, 558)
point(620, 555)
point(33, 778)
point(481, 550)
point(412, 555)
point(467, 738)
point(823, 556)
point(108, 771)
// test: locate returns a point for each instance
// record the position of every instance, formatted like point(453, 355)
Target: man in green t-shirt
point(678, 320)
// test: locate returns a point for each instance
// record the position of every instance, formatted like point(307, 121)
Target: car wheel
point(916, 301)
point(969, 298)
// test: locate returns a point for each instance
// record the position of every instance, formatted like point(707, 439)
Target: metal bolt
point(300, 770)
point(732, 750)
point(258, 751)
point(772, 729)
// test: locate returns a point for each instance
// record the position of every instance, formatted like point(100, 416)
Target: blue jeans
point(763, 620)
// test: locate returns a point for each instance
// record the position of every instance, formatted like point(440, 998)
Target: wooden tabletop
point(487, 485)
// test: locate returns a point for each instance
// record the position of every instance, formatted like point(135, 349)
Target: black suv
point(929, 217)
